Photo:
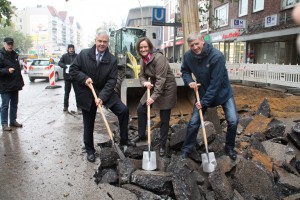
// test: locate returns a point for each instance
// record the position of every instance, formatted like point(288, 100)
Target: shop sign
point(238, 23)
point(271, 20)
point(225, 35)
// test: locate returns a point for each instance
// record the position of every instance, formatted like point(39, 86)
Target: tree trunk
point(190, 19)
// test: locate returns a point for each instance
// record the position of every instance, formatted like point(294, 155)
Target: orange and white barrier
point(52, 78)
point(51, 75)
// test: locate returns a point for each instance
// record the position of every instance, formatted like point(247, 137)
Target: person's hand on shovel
point(148, 85)
point(194, 86)
point(98, 101)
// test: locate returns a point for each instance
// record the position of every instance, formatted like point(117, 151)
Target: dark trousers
point(68, 86)
point(119, 109)
point(9, 103)
point(230, 111)
point(164, 123)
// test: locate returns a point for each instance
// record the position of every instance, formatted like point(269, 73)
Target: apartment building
point(250, 31)
point(51, 30)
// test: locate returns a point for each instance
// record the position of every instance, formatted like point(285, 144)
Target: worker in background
point(65, 61)
point(207, 64)
point(154, 65)
point(11, 81)
point(98, 66)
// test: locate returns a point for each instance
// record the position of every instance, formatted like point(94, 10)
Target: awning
point(270, 34)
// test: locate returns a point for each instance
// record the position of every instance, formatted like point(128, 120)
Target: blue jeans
point(229, 109)
point(9, 101)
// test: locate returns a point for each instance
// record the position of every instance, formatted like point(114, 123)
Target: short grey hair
point(102, 32)
point(193, 36)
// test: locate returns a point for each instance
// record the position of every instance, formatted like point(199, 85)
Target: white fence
point(285, 75)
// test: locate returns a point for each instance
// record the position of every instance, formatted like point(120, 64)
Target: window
point(258, 5)
point(243, 7)
point(285, 4)
point(221, 14)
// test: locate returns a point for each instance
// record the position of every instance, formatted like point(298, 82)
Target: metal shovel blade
point(149, 160)
point(209, 162)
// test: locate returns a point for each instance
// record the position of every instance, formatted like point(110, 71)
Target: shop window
point(243, 7)
point(285, 4)
point(221, 14)
point(258, 5)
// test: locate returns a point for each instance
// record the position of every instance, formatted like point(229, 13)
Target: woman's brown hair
point(137, 46)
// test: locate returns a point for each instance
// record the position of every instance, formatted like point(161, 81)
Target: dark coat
point(210, 70)
point(164, 91)
point(10, 82)
point(65, 60)
point(104, 77)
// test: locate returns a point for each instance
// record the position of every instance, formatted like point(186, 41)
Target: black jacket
point(67, 59)
point(10, 82)
point(104, 77)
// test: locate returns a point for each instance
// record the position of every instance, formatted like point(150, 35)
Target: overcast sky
point(91, 13)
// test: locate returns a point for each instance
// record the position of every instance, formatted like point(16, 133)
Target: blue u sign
point(159, 15)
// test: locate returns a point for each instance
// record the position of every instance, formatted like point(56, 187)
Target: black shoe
point(5, 127)
point(16, 124)
point(139, 138)
point(162, 151)
point(127, 143)
point(183, 156)
point(65, 109)
point(231, 152)
point(91, 157)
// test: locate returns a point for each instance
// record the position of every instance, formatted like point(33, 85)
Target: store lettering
point(231, 35)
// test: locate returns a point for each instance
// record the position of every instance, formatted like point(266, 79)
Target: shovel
point(116, 147)
point(209, 162)
point(149, 157)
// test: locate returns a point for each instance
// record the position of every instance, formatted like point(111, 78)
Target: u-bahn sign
point(159, 15)
point(159, 18)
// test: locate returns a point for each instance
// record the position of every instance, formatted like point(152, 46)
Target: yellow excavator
point(122, 44)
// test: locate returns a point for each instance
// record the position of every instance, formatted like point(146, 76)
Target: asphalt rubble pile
point(267, 167)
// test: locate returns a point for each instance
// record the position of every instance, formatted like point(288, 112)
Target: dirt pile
point(283, 105)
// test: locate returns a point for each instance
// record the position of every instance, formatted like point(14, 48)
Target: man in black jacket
point(98, 66)
point(11, 81)
point(65, 61)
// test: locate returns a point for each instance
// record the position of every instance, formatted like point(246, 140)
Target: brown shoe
point(6, 128)
point(16, 124)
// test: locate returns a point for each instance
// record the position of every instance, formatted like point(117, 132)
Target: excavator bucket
point(132, 91)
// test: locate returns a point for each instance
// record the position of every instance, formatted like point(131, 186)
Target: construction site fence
point(284, 75)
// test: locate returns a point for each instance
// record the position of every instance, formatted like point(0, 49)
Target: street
point(44, 159)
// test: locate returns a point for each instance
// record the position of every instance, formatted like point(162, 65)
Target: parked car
point(40, 69)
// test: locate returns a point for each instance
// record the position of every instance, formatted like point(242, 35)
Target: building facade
point(51, 31)
point(246, 31)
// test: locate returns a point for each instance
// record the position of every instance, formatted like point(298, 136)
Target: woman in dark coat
point(154, 65)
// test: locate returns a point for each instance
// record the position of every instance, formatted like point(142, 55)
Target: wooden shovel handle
point(202, 121)
point(148, 117)
point(101, 112)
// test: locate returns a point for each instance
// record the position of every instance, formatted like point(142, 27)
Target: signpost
point(159, 19)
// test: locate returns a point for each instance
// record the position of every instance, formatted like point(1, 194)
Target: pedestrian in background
point(207, 64)
point(98, 66)
point(11, 81)
point(65, 61)
point(154, 65)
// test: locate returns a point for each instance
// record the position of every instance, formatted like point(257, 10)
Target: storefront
point(272, 47)
point(225, 41)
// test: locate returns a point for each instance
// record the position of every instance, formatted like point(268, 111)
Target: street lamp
point(141, 13)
